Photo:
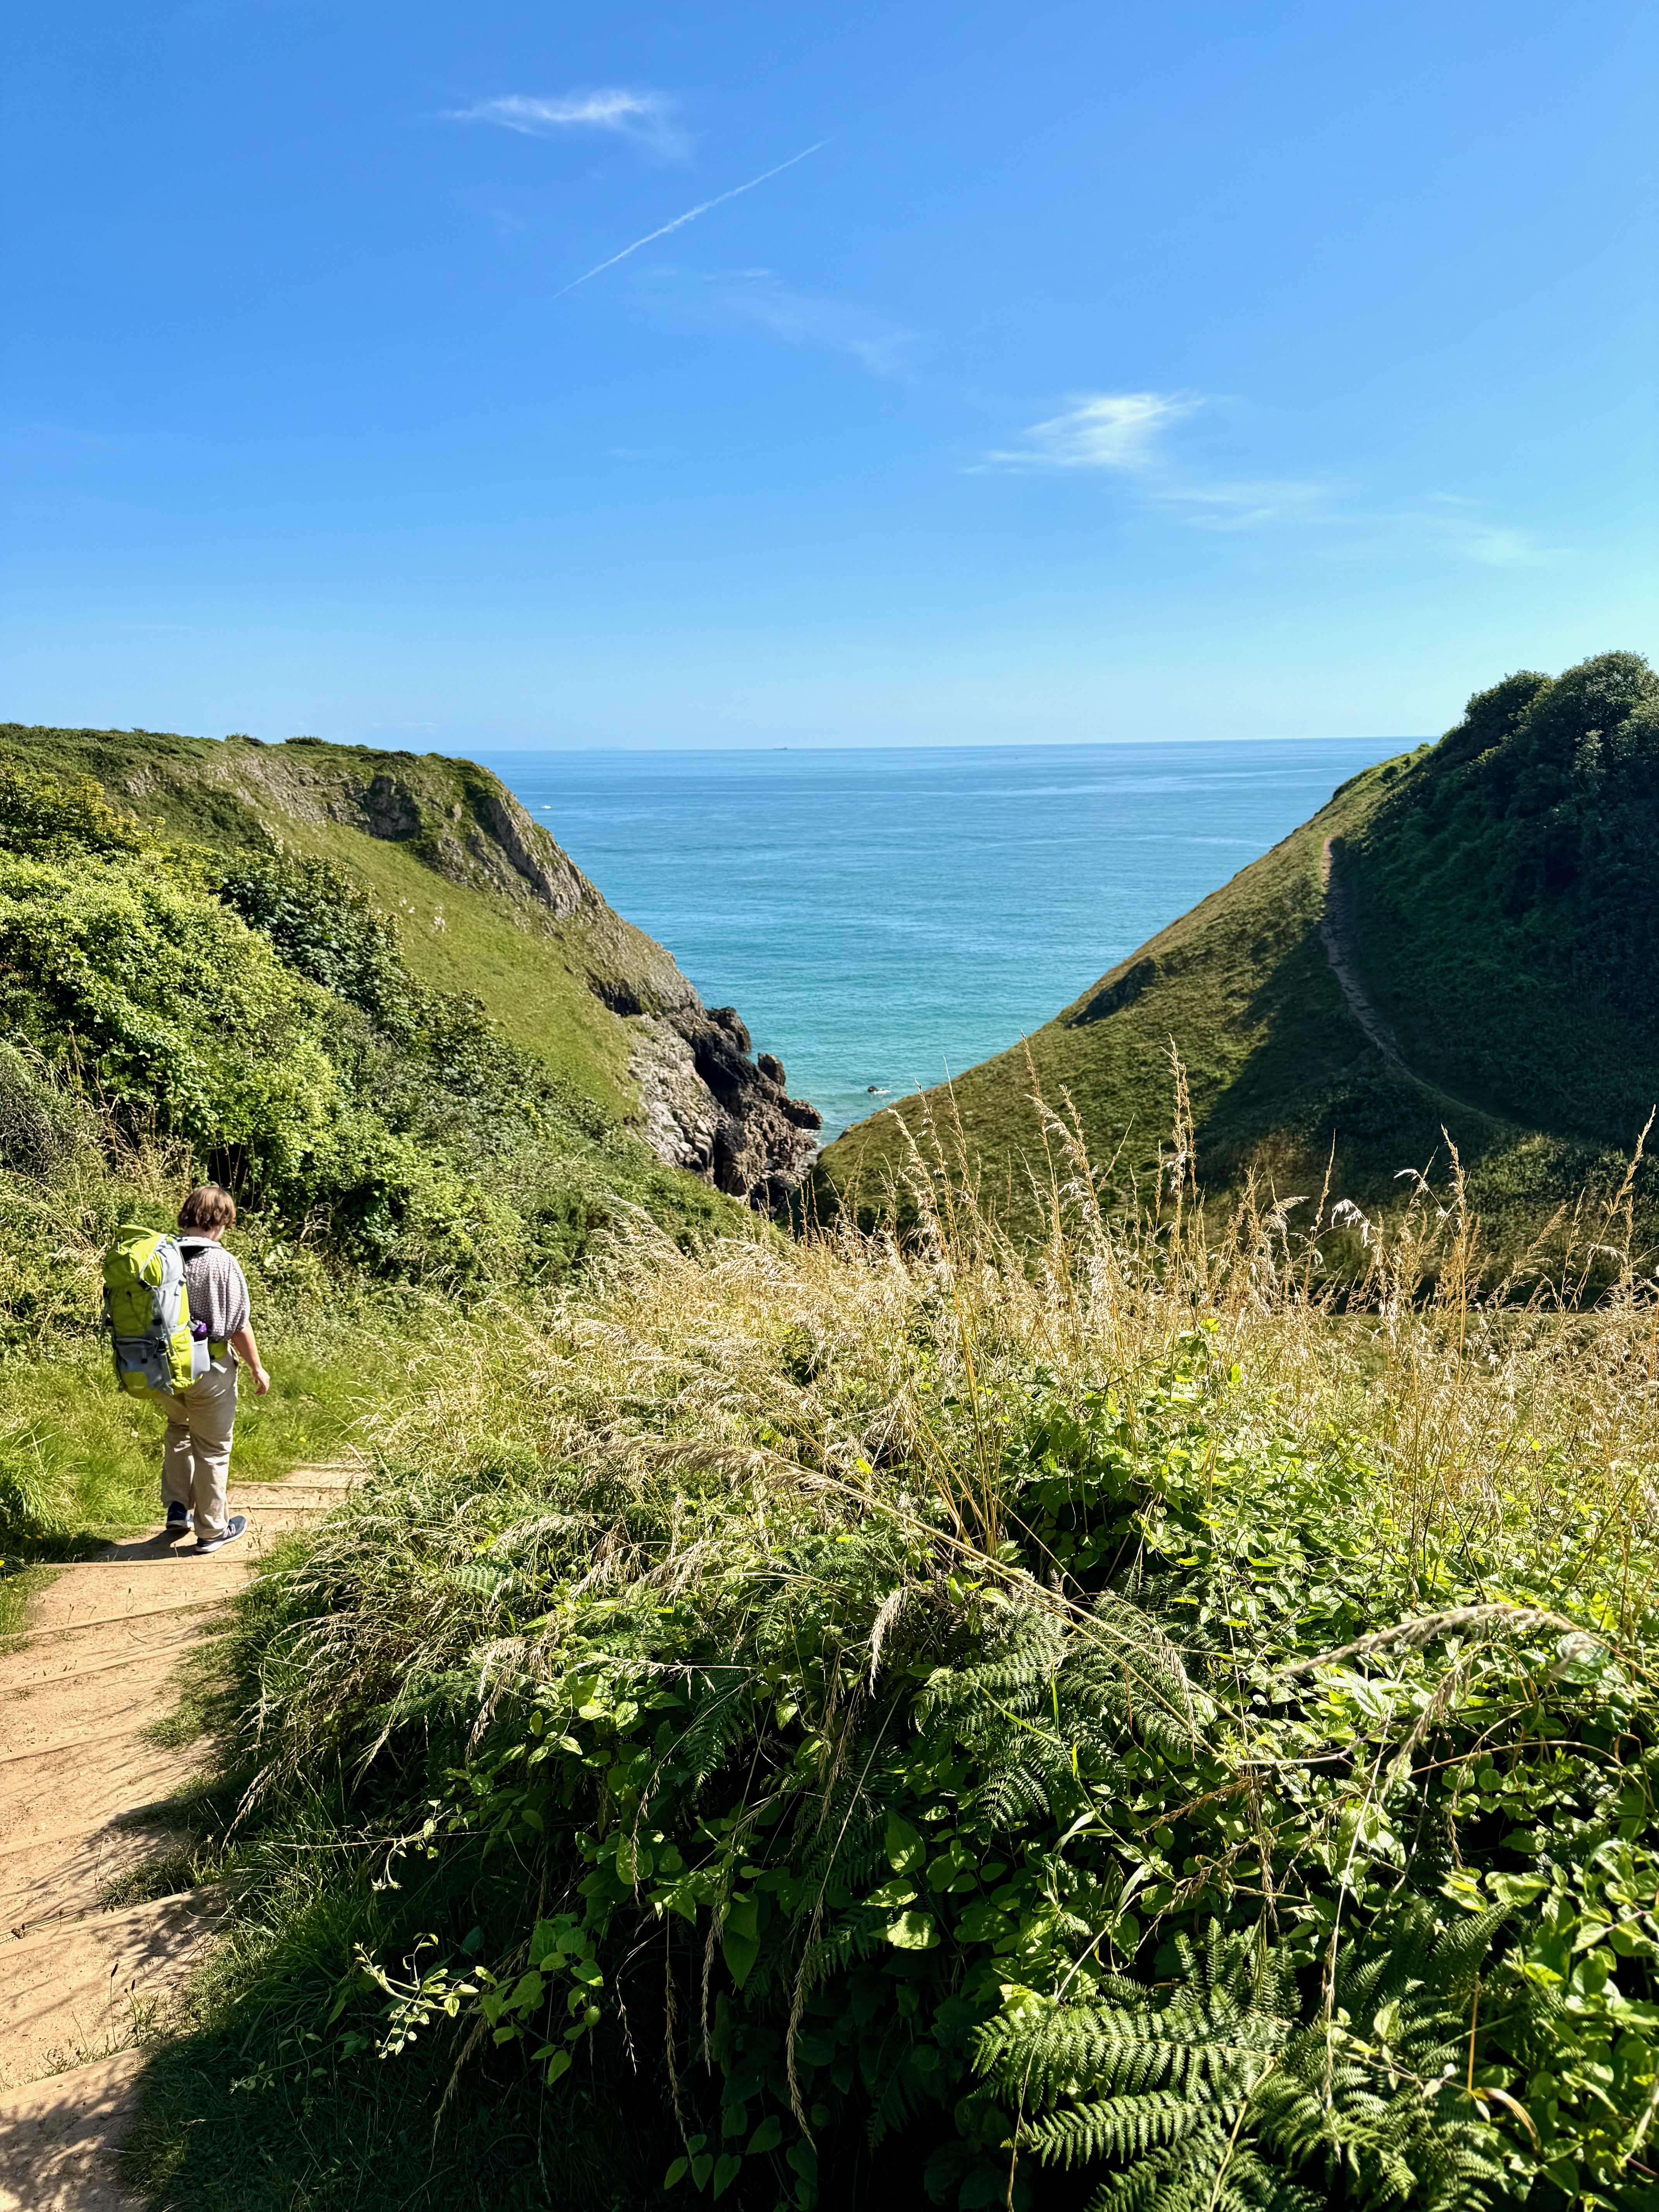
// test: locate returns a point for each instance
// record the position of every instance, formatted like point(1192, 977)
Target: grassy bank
point(866, 1724)
point(1489, 906)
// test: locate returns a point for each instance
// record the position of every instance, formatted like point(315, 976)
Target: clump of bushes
point(942, 1724)
point(1506, 925)
point(254, 1012)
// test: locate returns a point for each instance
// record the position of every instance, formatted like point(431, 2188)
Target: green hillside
point(389, 819)
point(1459, 940)
point(370, 995)
point(476, 900)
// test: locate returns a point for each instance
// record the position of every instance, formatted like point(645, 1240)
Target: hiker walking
point(176, 1313)
point(195, 1454)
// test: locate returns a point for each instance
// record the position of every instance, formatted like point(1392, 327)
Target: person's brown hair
point(208, 1207)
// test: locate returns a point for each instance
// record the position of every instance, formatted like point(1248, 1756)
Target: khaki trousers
point(195, 1451)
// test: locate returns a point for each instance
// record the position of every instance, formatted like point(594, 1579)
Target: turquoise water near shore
point(888, 917)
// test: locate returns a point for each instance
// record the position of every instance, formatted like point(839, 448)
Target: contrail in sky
point(691, 216)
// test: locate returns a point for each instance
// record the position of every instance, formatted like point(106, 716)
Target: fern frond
point(1119, 2127)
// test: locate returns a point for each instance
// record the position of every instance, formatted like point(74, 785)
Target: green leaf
point(913, 1931)
point(727, 2171)
point(676, 2173)
point(905, 1849)
point(740, 1954)
point(1517, 1889)
point(557, 2064)
point(767, 2136)
point(701, 2168)
point(740, 1938)
point(893, 1894)
point(983, 1923)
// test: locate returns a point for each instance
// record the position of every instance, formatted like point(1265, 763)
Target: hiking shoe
point(178, 1519)
point(235, 1527)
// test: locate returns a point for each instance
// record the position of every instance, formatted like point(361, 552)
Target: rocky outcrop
point(463, 821)
point(552, 876)
point(710, 1107)
point(1123, 991)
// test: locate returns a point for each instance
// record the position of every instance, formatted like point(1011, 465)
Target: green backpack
point(147, 1313)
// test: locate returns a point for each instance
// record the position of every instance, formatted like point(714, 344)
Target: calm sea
point(883, 918)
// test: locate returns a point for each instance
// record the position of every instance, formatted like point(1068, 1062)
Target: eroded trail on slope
point(1335, 936)
point(83, 1977)
point(1337, 939)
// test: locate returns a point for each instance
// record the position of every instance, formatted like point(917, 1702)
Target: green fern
point(1217, 2094)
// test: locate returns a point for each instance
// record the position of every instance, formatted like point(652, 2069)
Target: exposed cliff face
point(710, 1107)
point(705, 1103)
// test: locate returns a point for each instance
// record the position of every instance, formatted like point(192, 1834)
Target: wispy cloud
point(1099, 430)
point(1494, 545)
point(646, 116)
point(754, 298)
point(1124, 433)
point(1245, 503)
point(666, 229)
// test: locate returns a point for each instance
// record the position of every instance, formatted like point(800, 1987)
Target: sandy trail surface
point(83, 1977)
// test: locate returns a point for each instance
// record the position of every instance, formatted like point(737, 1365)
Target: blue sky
point(1103, 371)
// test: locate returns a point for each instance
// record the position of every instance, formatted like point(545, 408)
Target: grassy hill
point(479, 902)
point(828, 1722)
point(1460, 940)
point(367, 992)
point(422, 835)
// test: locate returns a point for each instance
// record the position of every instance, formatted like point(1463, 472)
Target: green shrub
point(1502, 893)
point(255, 1015)
point(964, 1727)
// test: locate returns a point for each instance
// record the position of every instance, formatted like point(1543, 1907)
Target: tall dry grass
point(679, 1408)
point(1485, 1391)
point(810, 1479)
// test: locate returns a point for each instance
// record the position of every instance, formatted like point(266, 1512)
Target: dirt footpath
point(1333, 934)
point(82, 1983)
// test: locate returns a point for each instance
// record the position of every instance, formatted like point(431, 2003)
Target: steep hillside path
point(1333, 933)
point(81, 1778)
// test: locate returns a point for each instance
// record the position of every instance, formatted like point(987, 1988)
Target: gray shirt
point(216, 1285)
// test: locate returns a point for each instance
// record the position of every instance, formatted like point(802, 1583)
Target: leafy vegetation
point(880, 1723)
point(258, 1012)
point(1491, 890)
point(1505, 916)
point(419, 835)
point(168, 1011)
